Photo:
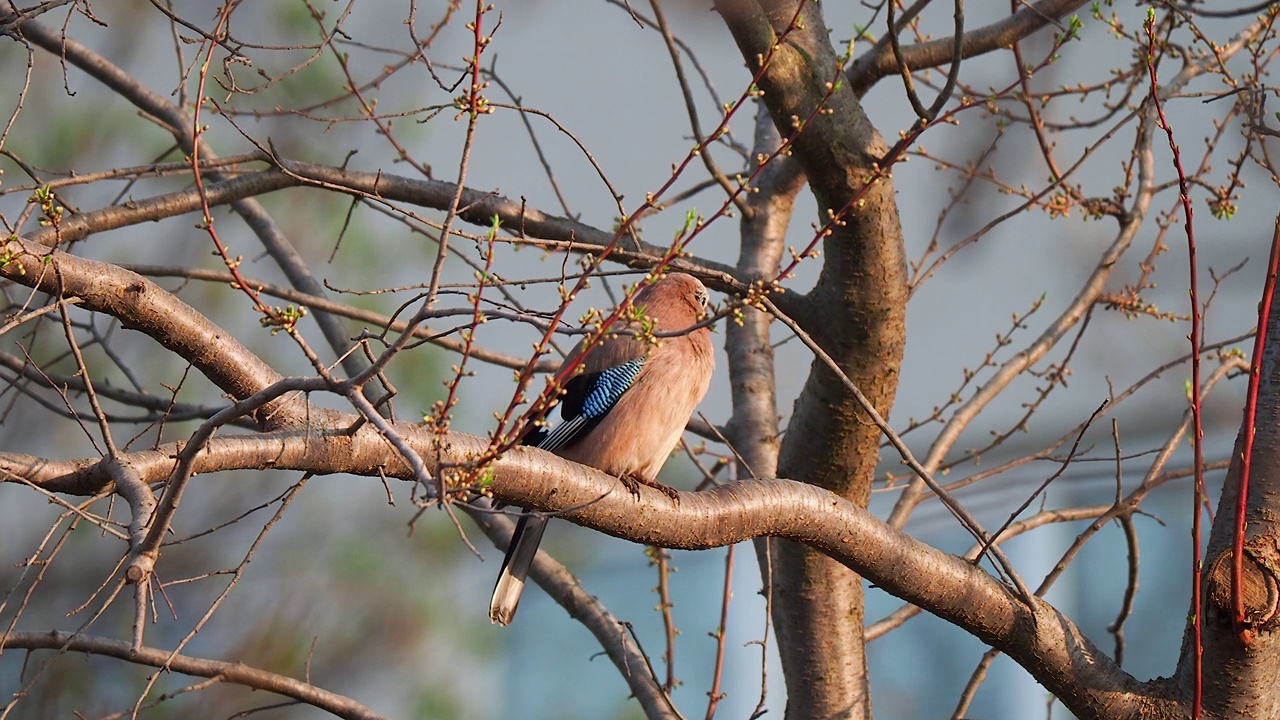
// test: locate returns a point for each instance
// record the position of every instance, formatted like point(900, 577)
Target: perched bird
point(623, 410)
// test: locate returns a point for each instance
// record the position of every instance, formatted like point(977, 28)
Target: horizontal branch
point(236, 672)
point(477, 207)
point(879, 62)
point(340, 309)
point(1042, 640)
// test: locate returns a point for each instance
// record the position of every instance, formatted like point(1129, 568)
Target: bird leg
point(633, 482)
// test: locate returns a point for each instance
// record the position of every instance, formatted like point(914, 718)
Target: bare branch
point(879, 62)
point(234, 672)
point(145, 306)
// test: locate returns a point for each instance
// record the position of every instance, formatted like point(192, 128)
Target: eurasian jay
point(623, 410)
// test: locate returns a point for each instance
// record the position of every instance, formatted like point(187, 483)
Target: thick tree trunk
point(1242, 661)
point(856, 313)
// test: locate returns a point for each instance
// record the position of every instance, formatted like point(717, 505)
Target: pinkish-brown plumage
point(619, 419)
point(639, 432)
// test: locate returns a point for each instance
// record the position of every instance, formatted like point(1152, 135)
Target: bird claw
point(671, 492)
point(632, 484)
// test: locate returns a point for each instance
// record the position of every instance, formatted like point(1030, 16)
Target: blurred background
point(344, 589)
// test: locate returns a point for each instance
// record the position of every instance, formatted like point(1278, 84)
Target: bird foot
point(632, 484)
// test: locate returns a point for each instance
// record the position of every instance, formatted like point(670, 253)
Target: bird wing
point(588, 398)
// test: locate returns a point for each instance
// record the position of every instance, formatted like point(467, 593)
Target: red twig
point(483, 278)
point(207, 224)
point(661, 559)
point(714, 693)
point(471, 104)
point(1250, 425)
point(1198, 434)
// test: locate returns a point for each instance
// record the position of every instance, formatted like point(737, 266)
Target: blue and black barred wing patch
point(588, 398)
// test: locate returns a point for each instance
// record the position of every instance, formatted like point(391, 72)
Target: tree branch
point(556, 580)
point(856, 312)
point(182, 127)
point(476, 207)
point(878, 62)
point(142, 305)
point(1043, 641)
point(233, 672)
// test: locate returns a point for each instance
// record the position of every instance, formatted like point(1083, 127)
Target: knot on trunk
point(1259, 592)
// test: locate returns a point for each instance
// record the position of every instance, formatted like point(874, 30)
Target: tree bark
point(1242, 662)
point(856, 312)
point(1037, 637)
